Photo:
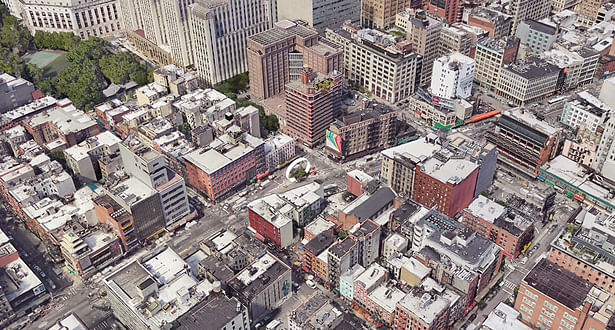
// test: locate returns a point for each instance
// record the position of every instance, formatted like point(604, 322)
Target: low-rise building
point(365, 283)
point(394, 245)
point(140, 290)
point(229, 163)
point(348, 279)
point(262, 286)
point(510, 230)
point(61, 127)
point(367, 206)
point(425, 308)
point(15, 92)
point(538, 36)
point(580, 64)
point(586, 110)
point(315, 313)
point(524, 142)
point(563, 299)
point(217, 312)
point(341, 256)
point(279, 150)
point(90, 253)
point(528, 82)
point(82, 158)
point(149, 93)
point(175, 79)
point(314, 248)
point(382, 302)
point(497, 23)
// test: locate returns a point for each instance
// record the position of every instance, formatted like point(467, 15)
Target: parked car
point(311, 284)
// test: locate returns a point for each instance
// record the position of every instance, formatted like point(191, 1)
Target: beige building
point(490, 56)
point(220, 31)
point(83, 18)
point(559, 5)
point(319, 14)
point(381, 13)
point(383, 66)
point(164, 22)
point(423, 31)
point(587, 11)
point(528, 82)
point(528, 9)
point(453, 39)
point(271, 64)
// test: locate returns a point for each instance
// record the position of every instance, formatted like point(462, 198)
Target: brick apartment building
point(312, 103)
point(508, 230)
point(553, 297)
point(449, 186)
point(362, 133)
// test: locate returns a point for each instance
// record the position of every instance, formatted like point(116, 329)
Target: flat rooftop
point(424, 305)
point(558, 283)
point(416, 151)
point(386, 297)
point(253, 279)
point(342, 247)
point(453, 170)
point(486, 209)
point(304, 312)
point(372, 275)
point(18, 279)
point(213, 313)
point(282, 30)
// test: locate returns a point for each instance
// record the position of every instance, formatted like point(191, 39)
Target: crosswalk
point(509, 285)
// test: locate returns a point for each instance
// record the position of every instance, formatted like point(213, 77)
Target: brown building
point(276, 56)
point(497, 23)
point(119, 218)
point(450, 10)
point(149, 48)
point(312, 103)
point(491, 55)
point(362, 133)
point(551, 297)
point(381, 13)
point(524, 142)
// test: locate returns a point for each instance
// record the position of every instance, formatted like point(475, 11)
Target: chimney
point(306, 75)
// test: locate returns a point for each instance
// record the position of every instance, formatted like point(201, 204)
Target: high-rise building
point(528, 9)
point(274, 56)
point(320, 14)
point(220, 30)
point(164, 22)
point(453, 76)
point(587, 11)
point(560, 5)
point(424, 34)
point(381, 13)
point(491, 55)
point(450, 10)
point(83, 18)
point(312, 103)
point(362, 132)
point(367, 52)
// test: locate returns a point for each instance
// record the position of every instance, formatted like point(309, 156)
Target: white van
point(311, 284)
point(273, 324)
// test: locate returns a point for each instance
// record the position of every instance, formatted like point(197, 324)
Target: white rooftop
point(454, 170)
point(504, 317)
point(371, 276)
point(260, 266)
point(353, 273)
point(80, 151)
point(165, 266)
point(426, 307)
point(319, 225)
point(416, 151)
point(529, 119)
point(22, 277)
point(71, 322)
point(68, 119)
point(486, 209)
point(360, 176)
point(387, 298)
point(415, 267)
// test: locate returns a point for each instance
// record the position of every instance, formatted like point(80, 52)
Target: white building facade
point(452, 76)
point(85, 18)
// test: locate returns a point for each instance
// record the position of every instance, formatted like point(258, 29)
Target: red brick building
point(112, 213)
point(450, 10)
point(312, 103)
point(277, 228)
point(492, 221)
point(447, 185)
point(552, 297)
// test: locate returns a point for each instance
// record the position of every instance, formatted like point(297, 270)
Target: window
point(550, 306)
point(529, 294)
point(544, 320)
point(567, 325)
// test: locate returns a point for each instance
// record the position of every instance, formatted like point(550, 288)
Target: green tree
point(342, 234)
point(271, 123)
point(81, 83)
point(185, 128)
point(92, 49)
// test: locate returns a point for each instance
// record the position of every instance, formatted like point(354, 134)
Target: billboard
point(333, 142)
